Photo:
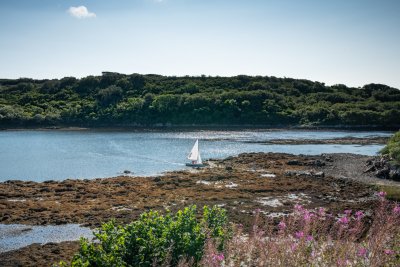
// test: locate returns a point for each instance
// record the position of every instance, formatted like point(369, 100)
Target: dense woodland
point(114, 99)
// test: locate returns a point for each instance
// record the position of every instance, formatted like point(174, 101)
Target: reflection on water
point(15, 236)
point(57, 155)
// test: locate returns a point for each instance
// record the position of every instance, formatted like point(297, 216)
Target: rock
point(228, 168)
point(290, 173)
point(327, 157)
point(382, 173)
point(383, 168)
point(316, 162)
point(293, 162)
point(370, 168)
point(394, 173)
point(305, 173)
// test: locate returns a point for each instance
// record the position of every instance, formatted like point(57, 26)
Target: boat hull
point(195, 165)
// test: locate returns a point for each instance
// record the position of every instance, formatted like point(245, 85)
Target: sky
point(352, 42)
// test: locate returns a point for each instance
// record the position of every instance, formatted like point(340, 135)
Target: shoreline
point(38, 203)
point(271, 182)
point(216, 127)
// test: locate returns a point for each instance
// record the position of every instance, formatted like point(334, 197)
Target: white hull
point(195, 165)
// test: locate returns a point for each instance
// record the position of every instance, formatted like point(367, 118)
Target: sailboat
point(195, 157)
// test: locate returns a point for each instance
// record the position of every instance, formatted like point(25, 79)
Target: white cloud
point(80, 12)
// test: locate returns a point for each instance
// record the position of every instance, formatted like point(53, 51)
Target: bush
point(154, 239)
point(392, 149)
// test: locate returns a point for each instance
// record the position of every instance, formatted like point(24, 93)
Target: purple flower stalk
point(299, 235)
point(396, 209)
point(322, 212)
point(298, 208)
point(359, 215)
point(382, 194)
point(344, 220)
point(362, 252)
point(282, 225)
point(388, 252)
point(307, 216)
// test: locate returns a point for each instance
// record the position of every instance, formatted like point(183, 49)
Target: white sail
point(199, 161)
point(194, 153)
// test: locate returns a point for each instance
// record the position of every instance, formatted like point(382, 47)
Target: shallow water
point(58, 155)
point(15, 236)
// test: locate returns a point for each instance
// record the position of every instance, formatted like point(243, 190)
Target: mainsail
point(194, 154)
point(199, 161)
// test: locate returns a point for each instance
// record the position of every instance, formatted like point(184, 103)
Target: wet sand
point(271, 182)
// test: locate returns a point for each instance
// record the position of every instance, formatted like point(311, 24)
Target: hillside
point(114, 99)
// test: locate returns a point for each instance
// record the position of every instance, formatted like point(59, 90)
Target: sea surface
point(57, 155)
point(15, 236)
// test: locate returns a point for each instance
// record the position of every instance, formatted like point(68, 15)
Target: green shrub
point(392, 149)
point(154, 239)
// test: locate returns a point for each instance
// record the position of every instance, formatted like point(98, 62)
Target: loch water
point(56, 155)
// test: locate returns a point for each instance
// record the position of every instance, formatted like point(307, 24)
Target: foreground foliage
point(304, 238)
point(114, 99)
point(392, 149)
point(317, 238)
point(154, 239)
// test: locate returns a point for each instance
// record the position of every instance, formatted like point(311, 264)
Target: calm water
point(57, 155)
point(15, 236)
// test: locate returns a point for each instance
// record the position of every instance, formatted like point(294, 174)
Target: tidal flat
point(270, 182)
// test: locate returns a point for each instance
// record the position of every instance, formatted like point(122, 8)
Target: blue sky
point(354, 42)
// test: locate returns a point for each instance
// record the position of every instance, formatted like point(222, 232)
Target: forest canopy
point(115, 99)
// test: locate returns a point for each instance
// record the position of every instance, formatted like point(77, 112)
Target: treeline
point(114, 99)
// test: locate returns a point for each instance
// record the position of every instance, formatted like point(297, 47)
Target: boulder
point(293, 162)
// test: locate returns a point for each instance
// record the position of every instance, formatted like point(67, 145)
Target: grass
point(393, 192)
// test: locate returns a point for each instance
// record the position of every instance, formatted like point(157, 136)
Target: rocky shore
point(271, 182)
point(341, 141)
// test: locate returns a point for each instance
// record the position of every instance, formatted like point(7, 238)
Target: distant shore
point(187, 127)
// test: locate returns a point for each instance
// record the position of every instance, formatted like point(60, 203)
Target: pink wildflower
point(341, 262)
point(388, 252)
point(322, 212)
point(396, 209)
point(382, 194)
point(347, 212)
point(298, 208)
point(344, 220)
point(307, 216)
point(293, 247)
point(362, 252)
point(218, 257)
point(310, 238)
point(359, 215)
point(282, 225)
point(299, 235)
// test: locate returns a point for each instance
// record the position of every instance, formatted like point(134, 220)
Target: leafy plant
point(392, 148)
point(154, 239)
